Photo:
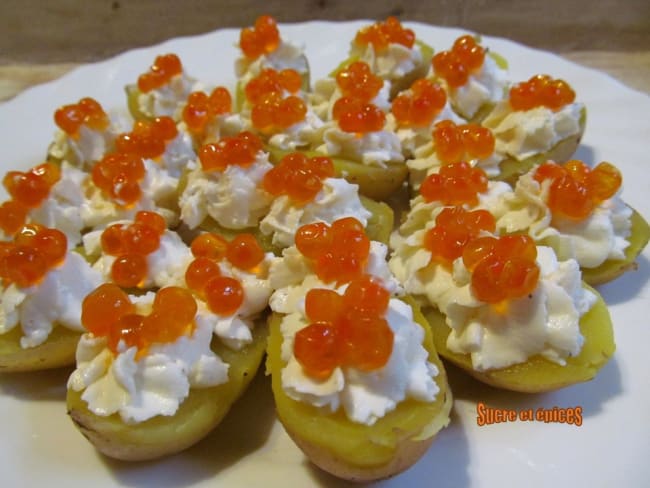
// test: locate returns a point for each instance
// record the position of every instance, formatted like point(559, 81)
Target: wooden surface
point(41, 40)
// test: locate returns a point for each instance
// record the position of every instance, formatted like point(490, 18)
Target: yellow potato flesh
point(57, 351)
point(199, 413)
point(538, 374)
point(358, 448)
point(610, 269)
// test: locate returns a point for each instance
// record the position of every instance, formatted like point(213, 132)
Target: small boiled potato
point(374, 182)
point(355, 451)
point(56, 352)
point(160, 436)
point(538, 374)
point(611, 269)
point(132, 96)
point(511, 169)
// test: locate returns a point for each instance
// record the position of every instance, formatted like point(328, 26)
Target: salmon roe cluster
point(456, 65)
point(454, 228)
point(87, 111)
point(419, 107)
point(163, 69)
point(347, 331)
point(541, 91)
point(108, 312)
point(338, 253)
point(381, 34)
point(271, 110)
point(359, 82)
point(240, 150)
point(223, 294)
point(119, 176)
point(131, 244)
point(148, 139)
point(262, 38)
point(33, 252)
point(202, 108)
point(27, 190)
point(456, 184)
point(576, 189)
point(357, 116)
point(462, 142)
point(502, 268)
point(298, 177)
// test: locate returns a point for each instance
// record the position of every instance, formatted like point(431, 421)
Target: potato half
point(611, 269)
point(56, 352)
point(160, 436)
point(538, 374)
point(354, 451)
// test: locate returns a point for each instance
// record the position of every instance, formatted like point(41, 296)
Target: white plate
point(39, 444)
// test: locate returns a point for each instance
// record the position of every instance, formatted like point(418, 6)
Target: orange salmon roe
point(455, 227)
point(541, 91)
point(462, 142)
point(201, 108)
point(34, 251)
point(119, 176)
point(272, 81)
point(358, 81)
point(108, 312)
point(274, 113)
point(354, 115)
point(87, 111)
point(419, 108)
point(577, 189)
point(27, 190)
point(456, 65)
point(262, 38)
point(502, 267)
point(381, 34)
point(163, 69)
point(210, 246)
point(131, 244)
point(147, 139)
point(241, 150)
point(298, 177)
point(456, 184)
point(345, 331)
point(339, 252)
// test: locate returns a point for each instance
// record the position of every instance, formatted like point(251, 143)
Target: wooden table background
point(41, 40)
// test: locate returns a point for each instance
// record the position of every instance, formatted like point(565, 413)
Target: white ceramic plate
point(39, 446)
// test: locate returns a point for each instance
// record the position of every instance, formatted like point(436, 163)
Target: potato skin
point(539, 375)
point(160, 436)
point(56, 352)
point(357, 452)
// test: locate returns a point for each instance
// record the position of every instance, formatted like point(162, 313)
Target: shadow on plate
point(243, 431)
point(36, 385)
point(586, 154)
point(628, 285)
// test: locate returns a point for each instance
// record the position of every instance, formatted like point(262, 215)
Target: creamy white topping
point(179, 152)
point(286, 56)
point(169, 99)
point(291, 276)
point(372, 148)
point(56, 300)
point(393, 64)
point(155, 384)
point(546, 322)
point(303, 134)
point(235, 330)
point(365, 396)
point(225, 125)
point(487, 86)
point(521, 134)
point(233, 197)
point(91, 145)
point(326, 92)
point(423, 214)
point(165, 266)
point(337, 199)
point(601, 236)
